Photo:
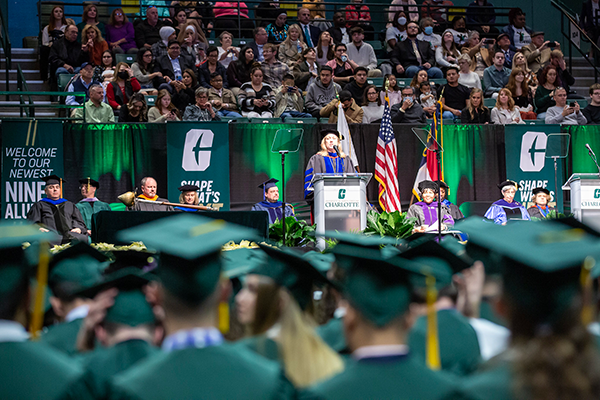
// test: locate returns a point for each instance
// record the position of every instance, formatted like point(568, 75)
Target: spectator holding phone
point(562, 113)
point(480, 51)
point(256, 98)
point(538, 51)
point(164, 110)
point(289, 101)
point(202, 110)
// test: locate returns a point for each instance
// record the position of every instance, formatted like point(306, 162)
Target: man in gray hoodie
point(321, 92)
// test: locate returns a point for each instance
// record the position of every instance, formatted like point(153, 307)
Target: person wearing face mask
point(459, 31)
point(413, 55)
point(122, 87)
point(507, 208)
point(397, 32)
point(408, 111)
point(404, 5)
point(427, 34)
point(426, 210)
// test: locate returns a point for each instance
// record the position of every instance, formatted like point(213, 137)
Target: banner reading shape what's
point(198, 154)
point(30, 151)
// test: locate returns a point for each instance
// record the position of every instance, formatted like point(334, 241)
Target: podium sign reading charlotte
point(30, 151)
point(198, 154)
point(342, 198)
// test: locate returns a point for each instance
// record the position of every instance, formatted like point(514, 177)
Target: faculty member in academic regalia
point(90, 205)
point(271, 203)
point(189, 195)
point(327, 160)
point(507, 208)
point(541, 198)
point(57, 214)
point(426, 210)
point(454, 210)
point(149, 188)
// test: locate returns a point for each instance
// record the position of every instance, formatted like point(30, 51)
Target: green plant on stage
point(394, 224)
point(297, 232)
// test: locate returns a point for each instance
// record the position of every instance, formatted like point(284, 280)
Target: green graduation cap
point(238, 262)
point(130, 258)
point(320, 261)
point(428, 247)
point(190, 251)
point(290, 270)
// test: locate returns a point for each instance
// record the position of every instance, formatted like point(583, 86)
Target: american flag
point(386, 164)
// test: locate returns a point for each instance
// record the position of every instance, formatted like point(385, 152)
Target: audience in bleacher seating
point(459, 31)
point(565, 79)
point(266, 12)
point(257, 45)
point(426, 98)
point(164, 110)
point(413, 55)
point(447, 54)
point(563, 113)
point(342, 66)
point(211, 65)
point(358, 14)
point(233, 17)
point(143, 69)
point(592, 110)
point(273, 69)
point(277, 30)
point(238, 71)
point(96, 111)
point(223, 100)
point(496, 76)
point(56, 26)
point(90, 17)
point(107, 76)
point(372, 106)
point(66, 54)
point(147, 32)
point(393, 91)
point(544, 94)
point(522, 94)
point(290, 50)
point(505, 112)
point(167, 34)
point(467, 77)
point(172, 66)
point(81, 84)
point(518, 33)
point(227, 52)
point(396, 32)
point(519, 61)
point(338, 31)
point(408, 111)
point(427, 34)
point(358, 86)
point(136, 110)
point(480, 52)
point(181, 19)
point(202, 110)
point(325, 48)
point(503, 44)
point(321, 92)
point(256, 99)
point(316, 8)
point(184, 91)
point(438, 11)
point(95, 44)
point(475, 112)
point(454, 95)
point(193, 43)
point(352, 111)
point(538, 51)
point(310, 33)
point(198, 10)
point(120, 33)
point(307, 70)
point(362, 53)
point(408, 6)
point(159, 5)
point(122, 87)
point(289, 102)
point(481, 16)
point(419, 78)
point(107, 62)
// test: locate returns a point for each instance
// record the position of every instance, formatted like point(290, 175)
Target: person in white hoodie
point(562, 113)
point(321, 92)
point(505, 112)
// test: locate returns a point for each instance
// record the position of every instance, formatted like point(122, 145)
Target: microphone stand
point(593, 157)
point(283, 153)
point(438, 156)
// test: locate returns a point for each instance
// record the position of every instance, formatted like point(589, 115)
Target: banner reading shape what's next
point(198, 154)
point(30, 151)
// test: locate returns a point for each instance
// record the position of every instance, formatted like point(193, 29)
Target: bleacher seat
point(151, 101)
point(402, 82)
point(126, 58)
point(582, 103)
point(534, 121)
point(375, 81)
point(236, 119)
point(301, 120)
point(212, 42)
point(266, 121)
point(63, 80)
point(440, 82)
point(491, 103)
point(376, 44)
point(240, 42)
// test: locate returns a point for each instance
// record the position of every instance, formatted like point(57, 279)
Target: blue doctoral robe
point(274, 210)
point(330, 164)
point(501, 211)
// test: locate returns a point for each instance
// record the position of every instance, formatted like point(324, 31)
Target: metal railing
point(31, 104)
point(6, 46)
point(23, 88)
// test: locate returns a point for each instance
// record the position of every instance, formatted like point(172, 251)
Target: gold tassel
point(37, 318)
point(88, 186)
point(61, 188)
point(433, 346)
point(588, 309)
point(224, 317)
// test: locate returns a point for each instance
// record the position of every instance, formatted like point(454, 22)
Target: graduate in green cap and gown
point(275, 303)
point(57, 214)
point(29, 370)
point(195, 363)
point(90, 205)
point(125, 325)
point(551, 354)
point(72, 271)
point(271, 203)
point(377, 291)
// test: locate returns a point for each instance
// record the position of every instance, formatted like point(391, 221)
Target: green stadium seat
point(439, 81)
point(402, 82)
point(63, 80)
point(236, 119)
point(491, 103)
point(240, 42)
point(375, 81)
point(212, 42)
point(151, 101)
point(376, 44)
point(301, 121)
point(126, 58)
point(582, 103)
point(534, 121)
point(266, 121)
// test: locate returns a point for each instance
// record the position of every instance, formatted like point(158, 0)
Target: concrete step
point(33, 85)
point(17, 114)
point(30, 74)
point(20, 51)
point(25, 63)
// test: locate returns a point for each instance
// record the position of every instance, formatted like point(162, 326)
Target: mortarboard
point(130, 258)
point(320, 261)
point(239, 262)
point(539, 190)
point(90, 182)
point(325, 132)
point(427, 185)
point(508, 183)
point(428, 247)
point(188, 188)
point(53, 180)
point(268, 184)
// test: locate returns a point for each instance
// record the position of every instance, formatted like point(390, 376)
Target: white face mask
point(402, 21)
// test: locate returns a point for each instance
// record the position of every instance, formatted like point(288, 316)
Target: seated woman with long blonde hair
point(505, 112)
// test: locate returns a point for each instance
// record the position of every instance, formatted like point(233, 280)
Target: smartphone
point(572, 105)
point(290, 89)
point(551, 45)
point(489, 41)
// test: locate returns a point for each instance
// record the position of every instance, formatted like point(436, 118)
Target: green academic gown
point(103, 363)
point(494, 383)
point(332, 333)
point(89, 208)
point(260, 344)
point(216, 372)
point(63, 336)
point(459, 347)
point(382, 378)
point(32, 370)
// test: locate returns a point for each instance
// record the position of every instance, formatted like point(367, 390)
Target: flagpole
point(438, 155)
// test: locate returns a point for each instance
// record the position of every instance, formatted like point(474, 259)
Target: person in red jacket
point(123, 86)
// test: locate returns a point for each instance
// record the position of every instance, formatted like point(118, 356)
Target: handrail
point(22, 87)
point(564, 12)
point(6, 46)
point(31, 106)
